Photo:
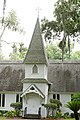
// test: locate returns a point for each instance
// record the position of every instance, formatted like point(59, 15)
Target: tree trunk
point(76, 115)
point(69, 46)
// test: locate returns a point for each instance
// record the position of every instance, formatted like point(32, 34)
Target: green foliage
point(50, 106)
point(10, 22)
point(14, 55)
point(10, 114)
point(54, 52)
point(13, 113)
point(54, 105)
point(2, 118)
point(58, 114)
point(66, 115)
point(18, 53)
point(17, 105)
point(1, 114)
point(76, 55)
point(57, 102)
point(22, 51)
point(75, 107)
point(66, 21)
point(76, 97)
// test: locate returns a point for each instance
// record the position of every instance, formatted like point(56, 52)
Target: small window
point(2, 100)
point(32, 88)
point(72, 97)
point(35, 69)
point(58, 97)
point(54, 96)
point(17, 98)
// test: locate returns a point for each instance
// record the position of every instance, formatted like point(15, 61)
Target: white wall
point(42, 71)
point(9, 98)
point(43, 87)
point(64, 98)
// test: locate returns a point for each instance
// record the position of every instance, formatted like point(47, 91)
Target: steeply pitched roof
point(36, 51)
point(64, 77)
point(11, 74)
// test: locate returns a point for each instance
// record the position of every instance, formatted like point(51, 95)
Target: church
point(35, 80)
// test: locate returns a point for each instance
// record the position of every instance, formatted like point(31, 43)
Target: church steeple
point(36, 52)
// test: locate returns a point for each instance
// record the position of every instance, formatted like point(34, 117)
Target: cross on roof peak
point(38, 9)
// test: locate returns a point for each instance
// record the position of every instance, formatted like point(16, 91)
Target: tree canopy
point(10, 22)
point(66, 23)
point(18, 52)
point(54, 52)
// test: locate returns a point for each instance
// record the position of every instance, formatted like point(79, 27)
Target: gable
point(33, 89)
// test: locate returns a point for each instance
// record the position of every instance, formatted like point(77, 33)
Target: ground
point(2, 118)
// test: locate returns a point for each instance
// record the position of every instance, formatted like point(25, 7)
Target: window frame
point(2, 100)
point(18, 98)
point(35, 69)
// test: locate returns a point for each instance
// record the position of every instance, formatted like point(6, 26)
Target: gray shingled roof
point(35, 80)
point(11, 74)
point(65, 77)
point(36, 52)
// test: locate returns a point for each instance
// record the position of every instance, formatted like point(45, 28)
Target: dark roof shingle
point(36, 51)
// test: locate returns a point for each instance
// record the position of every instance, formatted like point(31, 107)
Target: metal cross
point(38, 9)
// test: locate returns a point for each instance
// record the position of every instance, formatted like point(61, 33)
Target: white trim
point(32, 91)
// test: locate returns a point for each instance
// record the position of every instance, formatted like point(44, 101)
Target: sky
point(27, 14)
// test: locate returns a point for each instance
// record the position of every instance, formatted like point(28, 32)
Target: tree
point(66, 24)
point(22, 51)
point(54, 52)
point(10, 22)
point(75, 107)
point(4, 6)
point(14, 54)
point(53, 105)
point(76, 55)
point(18, 53)
point(17, 106)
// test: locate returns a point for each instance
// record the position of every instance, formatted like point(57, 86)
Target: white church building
point(36, 79)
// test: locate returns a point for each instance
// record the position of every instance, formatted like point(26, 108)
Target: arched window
point(35, 69)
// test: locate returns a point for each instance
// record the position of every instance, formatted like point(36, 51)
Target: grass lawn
point(2, 118)
point(70, 119)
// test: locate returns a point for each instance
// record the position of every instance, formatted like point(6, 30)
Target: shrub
point(1, 114)
point(58, 114)
point(10, 114)
point(66, 115)
point(14, 113)
point(16, 105)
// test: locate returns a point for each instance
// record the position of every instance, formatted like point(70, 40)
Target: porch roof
point(33, 89)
